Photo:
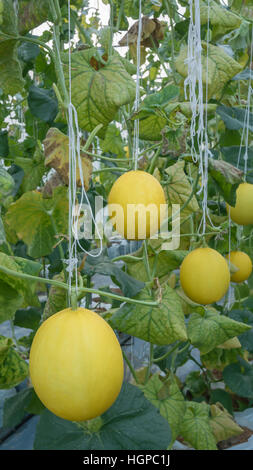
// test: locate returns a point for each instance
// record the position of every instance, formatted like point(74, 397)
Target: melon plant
point(94, 115)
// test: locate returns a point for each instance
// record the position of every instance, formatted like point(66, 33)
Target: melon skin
point(76, 364)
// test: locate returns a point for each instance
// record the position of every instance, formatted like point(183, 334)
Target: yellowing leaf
point(152, 30)
point(168, 399)
point(160, 325)
point(222, 423)
point(13, 369)
point(208, 331)
point(219, 16)
point(232, 343)
point(98, 88)
point(196, 426)
point(56, 146)
point(221, 68)
point(179, 189)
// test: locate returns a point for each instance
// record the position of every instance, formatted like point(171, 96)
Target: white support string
point(137, 94)
point(75, 162)
point(194, 82)
point(229, 299)
point(247, 115)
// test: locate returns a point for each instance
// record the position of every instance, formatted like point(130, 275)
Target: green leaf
point(227, 179)
point(245, 316)
point(219, 358)
point(2, 232)
point(239, 378)
point(28, 318)
point(33, 269)
point(208, 331)
point(222, 423)
point(236, 154)
point(102, 265)
point(4, 145)
point(6, 184)
point(16, 407)
point(32, 14)
point(217, 68)
point(234, 118)
point(34, 219)
point(10, 301)
point(166, 261)
point(195, 383)
point(151, 126)
point(98, 90)
point(113, 142)
point(196, 426)
point(11, 80)
point(186, 108)
point(43, 103)
point(34, 169)
point(244, 75)
point(159, 325)
point(125, 426)
point(14, 291)
point(168, 399)
point(152, 113)
point(223, 397)
point(161, 98)
point(13, 369)
point(28, 51)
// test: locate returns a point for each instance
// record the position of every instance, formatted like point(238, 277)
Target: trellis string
point(137, 93)
point(75, 162)
point(194, 83)
point(247, 115)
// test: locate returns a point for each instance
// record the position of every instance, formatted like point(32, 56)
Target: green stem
point(13, 333)
point(119, 16)
point(127, 258)
point(108, 159)
point(63, 285)
point(91, 137)
point(161, 60)
point(60, 248)
point(150, 362)
point(146, 260)
point(73, 299)
point(115, 168)
point(83, 31)
point(168, 9)
point(154, 160)
point(34, 41)
point(130, 367)
point(55, 11)
point(88, 296)
point(170, 351)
